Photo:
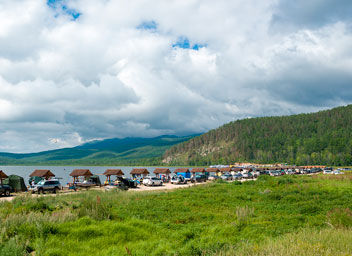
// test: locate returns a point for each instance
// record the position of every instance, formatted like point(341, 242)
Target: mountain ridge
point(323, 137)
point(127, 150)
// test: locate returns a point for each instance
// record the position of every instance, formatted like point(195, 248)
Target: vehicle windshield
point(41, 182)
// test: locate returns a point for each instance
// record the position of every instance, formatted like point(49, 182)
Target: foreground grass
point(271, 216)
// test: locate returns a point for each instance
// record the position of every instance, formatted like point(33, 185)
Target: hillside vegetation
point(142, 151)
point(318, 138)
point(288, 215)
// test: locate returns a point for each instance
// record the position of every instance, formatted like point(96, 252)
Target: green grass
point(270, 216)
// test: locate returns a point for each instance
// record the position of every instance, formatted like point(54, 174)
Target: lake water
point(64, 171)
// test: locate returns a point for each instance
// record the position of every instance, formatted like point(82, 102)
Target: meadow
point(289, 215)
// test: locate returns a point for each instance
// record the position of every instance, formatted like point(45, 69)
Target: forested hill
point(126, 151)
point(318, 138)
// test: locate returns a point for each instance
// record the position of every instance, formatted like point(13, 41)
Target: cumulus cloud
point(73, 70)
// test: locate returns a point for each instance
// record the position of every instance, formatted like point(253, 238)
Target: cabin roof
point(42, 173)
point(177, 170)
point(162, 170)
point(110, 172)
point(212, 169)
point(139, 171)
point(225, 169)
point(3, 175)
point(194, 170)
point(81, 172)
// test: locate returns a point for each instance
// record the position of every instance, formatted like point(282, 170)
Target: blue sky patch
point(184, 43)
point(148, 25)
point(60, 5)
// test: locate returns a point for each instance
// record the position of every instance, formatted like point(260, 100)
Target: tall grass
point(219, 218)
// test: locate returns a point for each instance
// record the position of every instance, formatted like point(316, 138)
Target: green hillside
point(127, 151)
point(318, 138)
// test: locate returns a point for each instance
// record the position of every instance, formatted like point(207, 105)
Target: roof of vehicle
point(177, 170)
point(42, 173)
point(3, 175)
point(81, 172)
point(139, 171)
point(162, 170)
point(110, 172)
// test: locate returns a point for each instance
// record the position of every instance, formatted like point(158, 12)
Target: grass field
point(295, 215)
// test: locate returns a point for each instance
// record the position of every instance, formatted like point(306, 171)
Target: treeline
point(318, 138)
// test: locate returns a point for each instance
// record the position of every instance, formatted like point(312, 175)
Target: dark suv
point(47, 185)
point(5, 190)
point(199, 178)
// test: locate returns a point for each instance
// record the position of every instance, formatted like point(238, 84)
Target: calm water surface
point(64, 171)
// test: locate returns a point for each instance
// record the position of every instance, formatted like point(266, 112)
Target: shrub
point(340, 218)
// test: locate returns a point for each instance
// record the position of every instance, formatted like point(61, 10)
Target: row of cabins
point(80, 175)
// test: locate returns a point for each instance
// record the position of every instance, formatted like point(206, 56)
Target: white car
point(152, 181)
point(337, 172)
point(328, 172)
point(178, 180)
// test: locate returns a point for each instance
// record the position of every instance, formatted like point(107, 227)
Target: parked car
point(47, 185)
point(178, 180)
point(274, 173)
point(337, 172)
point(226, 177)
point(213, 177)
point(238, 176)
point(129, 183)
point(152, 181)
point(5, 190)
point(327, 171)
point(199, 178)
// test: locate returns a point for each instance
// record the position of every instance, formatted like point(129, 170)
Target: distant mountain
point(324, 137)
point(108, 152)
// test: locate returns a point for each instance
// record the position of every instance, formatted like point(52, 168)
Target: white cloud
point(64, 81)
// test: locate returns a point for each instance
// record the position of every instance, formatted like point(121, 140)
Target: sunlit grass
point(218, 218)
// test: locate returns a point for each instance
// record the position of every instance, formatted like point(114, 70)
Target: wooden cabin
point(110, 172)
point(46, 174)
point(139, 172)
point(2, 176)
point(85, 173)
point(159, 171)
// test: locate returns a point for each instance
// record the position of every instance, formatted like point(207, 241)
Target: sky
point(72, 71)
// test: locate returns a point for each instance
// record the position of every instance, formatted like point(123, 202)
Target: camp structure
point(16, 183)
point(85, 173)
point(38, 175)
point(2, 176)
point(139, 172)
point(162, 171)
point(184, 172)
point(226, 170)
point(216, 170)
point(112, 172)
point(195, 170)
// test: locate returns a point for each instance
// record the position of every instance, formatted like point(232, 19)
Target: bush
point(340, 218)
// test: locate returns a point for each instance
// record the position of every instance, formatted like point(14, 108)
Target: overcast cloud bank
point(72, 71)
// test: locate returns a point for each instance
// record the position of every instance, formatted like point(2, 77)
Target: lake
point(64, 171)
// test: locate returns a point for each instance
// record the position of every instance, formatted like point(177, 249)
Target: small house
point(77, 173)
point(194, 171)
point(38, 175)
point(2, 176)
point(110, 172)
point(162, 171)
point(139, 172)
